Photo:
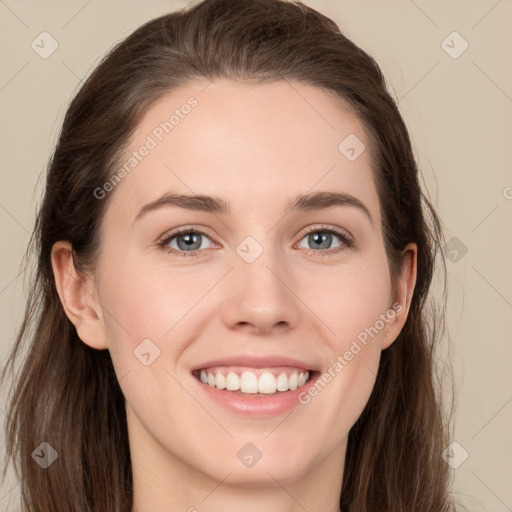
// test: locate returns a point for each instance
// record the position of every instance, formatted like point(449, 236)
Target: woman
point(229, 310)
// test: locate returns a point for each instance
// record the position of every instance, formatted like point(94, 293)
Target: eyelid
point(166, 238)
point(346, 238)
point(327, 228)
point(195, 228)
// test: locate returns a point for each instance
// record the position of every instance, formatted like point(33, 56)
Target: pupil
point(322, 238)
point(189, 239)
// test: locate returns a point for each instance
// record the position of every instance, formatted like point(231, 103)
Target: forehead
point(248, 142)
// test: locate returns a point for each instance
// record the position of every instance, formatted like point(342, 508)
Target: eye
point(321, 237)
point(187, 242)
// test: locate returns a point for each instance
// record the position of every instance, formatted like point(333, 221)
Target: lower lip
point(257, 406)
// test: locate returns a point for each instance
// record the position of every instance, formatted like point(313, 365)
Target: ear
point(402, 299)
point(79, 298)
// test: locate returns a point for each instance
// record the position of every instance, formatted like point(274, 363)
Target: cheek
point(357, 310)
point(147, 312)
point(158, 311)
point(351, 302)
point(148, 303)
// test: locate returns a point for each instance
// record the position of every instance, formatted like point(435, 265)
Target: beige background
point(459, 111)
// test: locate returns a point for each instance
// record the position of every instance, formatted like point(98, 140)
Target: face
point(252, 292)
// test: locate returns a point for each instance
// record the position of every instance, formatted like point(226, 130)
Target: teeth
point(232, 382)
point(220, 381)
point(292, 382)
point(248, 382)
point(267, 383)
point(282, 382)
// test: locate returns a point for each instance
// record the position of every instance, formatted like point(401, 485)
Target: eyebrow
point(216, 205)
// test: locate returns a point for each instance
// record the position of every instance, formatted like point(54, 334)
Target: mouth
point(254, 382)
point(255, 386)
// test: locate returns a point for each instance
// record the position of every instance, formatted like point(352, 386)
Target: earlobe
point(78, 297)
point(404, 293)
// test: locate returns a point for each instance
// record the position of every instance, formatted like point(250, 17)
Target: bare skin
point(257, 147)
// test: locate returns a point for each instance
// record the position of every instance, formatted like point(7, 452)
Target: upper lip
point(255, 362)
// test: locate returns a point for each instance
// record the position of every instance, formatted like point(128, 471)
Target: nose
point(260, 297)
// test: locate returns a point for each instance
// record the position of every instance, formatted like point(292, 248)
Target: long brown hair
point(66, 393)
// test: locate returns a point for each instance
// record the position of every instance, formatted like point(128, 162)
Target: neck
point(153, 494)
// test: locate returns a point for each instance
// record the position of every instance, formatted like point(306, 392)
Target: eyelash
point(346, 241)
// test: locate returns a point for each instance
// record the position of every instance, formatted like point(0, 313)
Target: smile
point(247, 380)
point(255, 386)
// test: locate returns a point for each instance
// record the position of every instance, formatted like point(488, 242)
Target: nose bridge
point(261, 294)
point(259, 268)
